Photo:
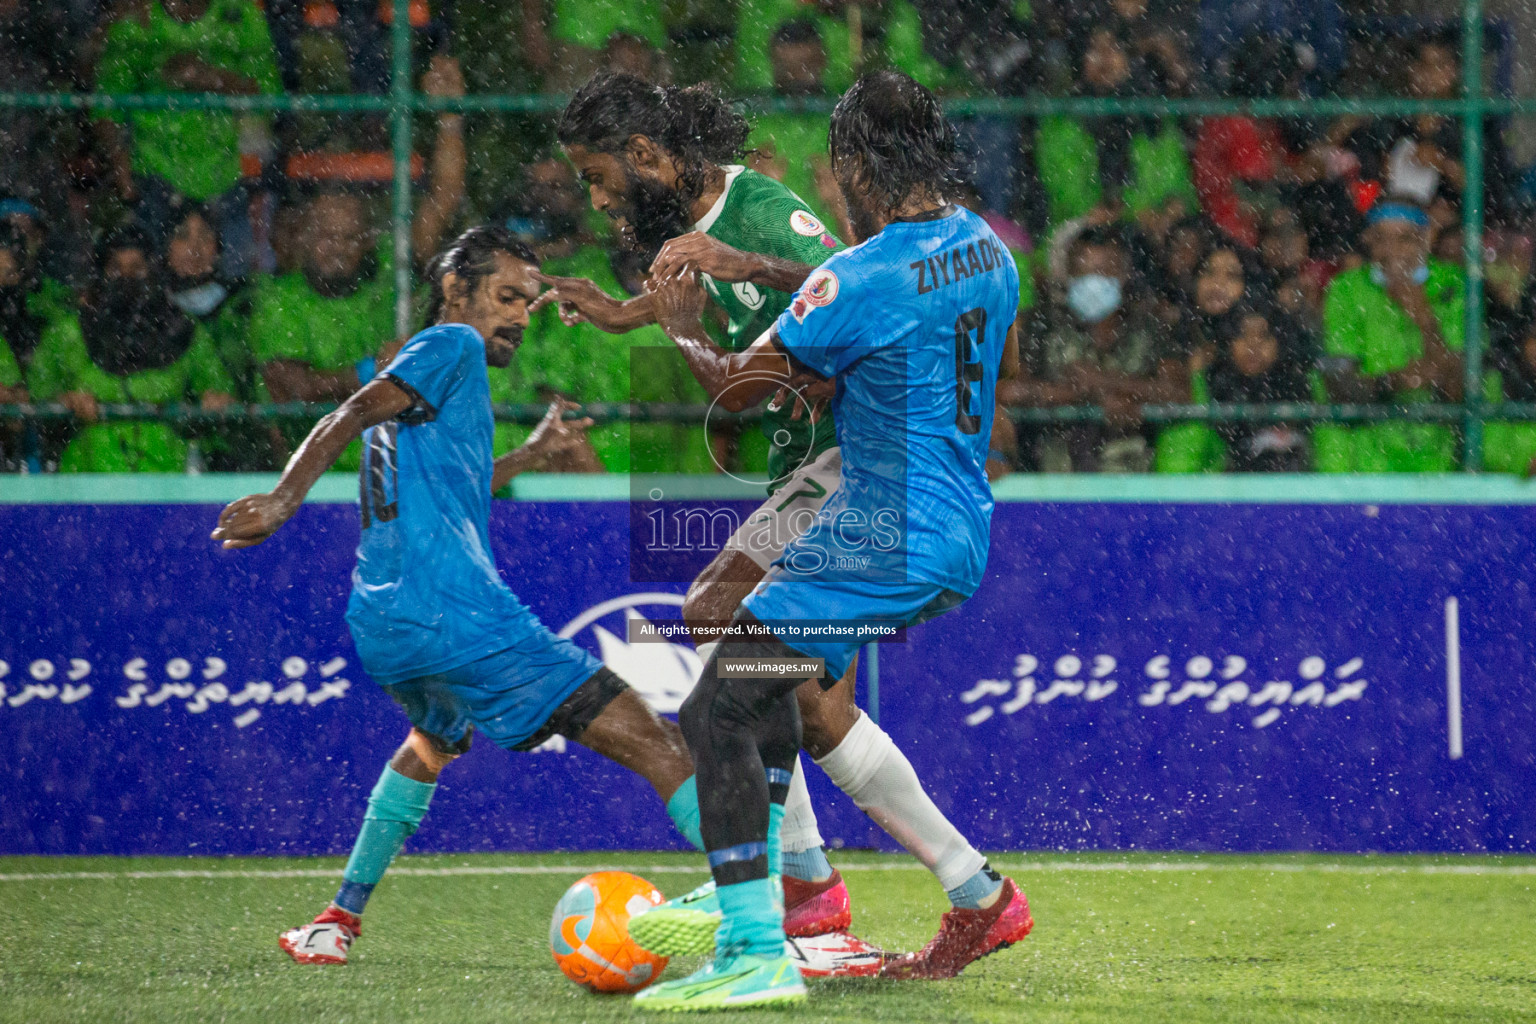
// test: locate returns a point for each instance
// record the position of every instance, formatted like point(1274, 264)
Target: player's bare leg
point(626, 732)
point(630, 734)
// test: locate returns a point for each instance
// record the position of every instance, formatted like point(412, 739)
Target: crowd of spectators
point(202, 258)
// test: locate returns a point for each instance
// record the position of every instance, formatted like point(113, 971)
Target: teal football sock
point(808, 865)
point(683, 808)
point(752, 919)
point(395, 809)
point(973, 890)
point(775, 842)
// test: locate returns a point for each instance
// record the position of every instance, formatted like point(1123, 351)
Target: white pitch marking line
point(1282, 867)
point(1453, 676)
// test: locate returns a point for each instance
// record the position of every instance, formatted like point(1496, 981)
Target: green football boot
point(728, 983)
point(684, 926)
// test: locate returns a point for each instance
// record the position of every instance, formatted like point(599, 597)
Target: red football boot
point(325, 940)
point(815, 908)
point(966, 936)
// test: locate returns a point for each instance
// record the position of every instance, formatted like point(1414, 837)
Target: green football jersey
point(757, 214)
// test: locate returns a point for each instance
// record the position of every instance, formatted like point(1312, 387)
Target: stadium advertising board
point(1130, 676)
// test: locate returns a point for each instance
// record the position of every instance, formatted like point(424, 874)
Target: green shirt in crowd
point(1025, 262)
point(893, 38)
point(589, 23)
point(290, 320)
point(1362, 323)
point(760, 215)
point(247, 445)
point(197, 152)
point(1067, 159)
point(52, 300)
point(591, 365)
point(229, 329)
point(62, 363)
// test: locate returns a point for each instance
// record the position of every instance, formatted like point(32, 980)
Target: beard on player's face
point(652, 214)
point(860, 215)
point(502, 345)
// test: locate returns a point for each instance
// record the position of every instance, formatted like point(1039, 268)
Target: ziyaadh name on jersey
point(946, 268)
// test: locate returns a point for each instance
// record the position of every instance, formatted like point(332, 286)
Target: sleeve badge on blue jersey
point(805, 223)
point(819, 290)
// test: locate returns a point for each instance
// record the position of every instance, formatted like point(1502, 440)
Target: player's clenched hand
point(677, 300)
point(248, 521)
point(555, 435)
point(705, 255)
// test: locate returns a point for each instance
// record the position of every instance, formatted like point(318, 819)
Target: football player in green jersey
point(662, 163)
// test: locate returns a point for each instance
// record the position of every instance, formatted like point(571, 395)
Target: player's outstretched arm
point(248, 521)
point(735, 381)
point(705, 254)
point(581, 301)
point(554, 436)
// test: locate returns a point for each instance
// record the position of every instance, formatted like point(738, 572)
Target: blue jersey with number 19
point(912, 325)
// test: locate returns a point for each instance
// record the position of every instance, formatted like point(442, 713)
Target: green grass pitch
point(1133, 940)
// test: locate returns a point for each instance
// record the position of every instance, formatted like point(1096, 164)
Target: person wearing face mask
point(579, 361)
point(1102, 349)
point(222, 309)
point(1392, 332)
point(194, 286)
point(129, 344)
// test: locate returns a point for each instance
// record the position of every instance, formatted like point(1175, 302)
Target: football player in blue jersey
point(433, 622)
point(914, 325)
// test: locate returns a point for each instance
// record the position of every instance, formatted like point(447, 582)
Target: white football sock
point(799, 831)
point(877, 776)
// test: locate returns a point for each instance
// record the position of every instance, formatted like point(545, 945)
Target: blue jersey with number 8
point(912, 325)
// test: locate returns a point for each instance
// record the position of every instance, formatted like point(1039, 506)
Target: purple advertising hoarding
point(1129, 676)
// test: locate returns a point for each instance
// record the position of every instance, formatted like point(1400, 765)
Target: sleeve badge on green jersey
point(805, 223)
point(819, 290)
